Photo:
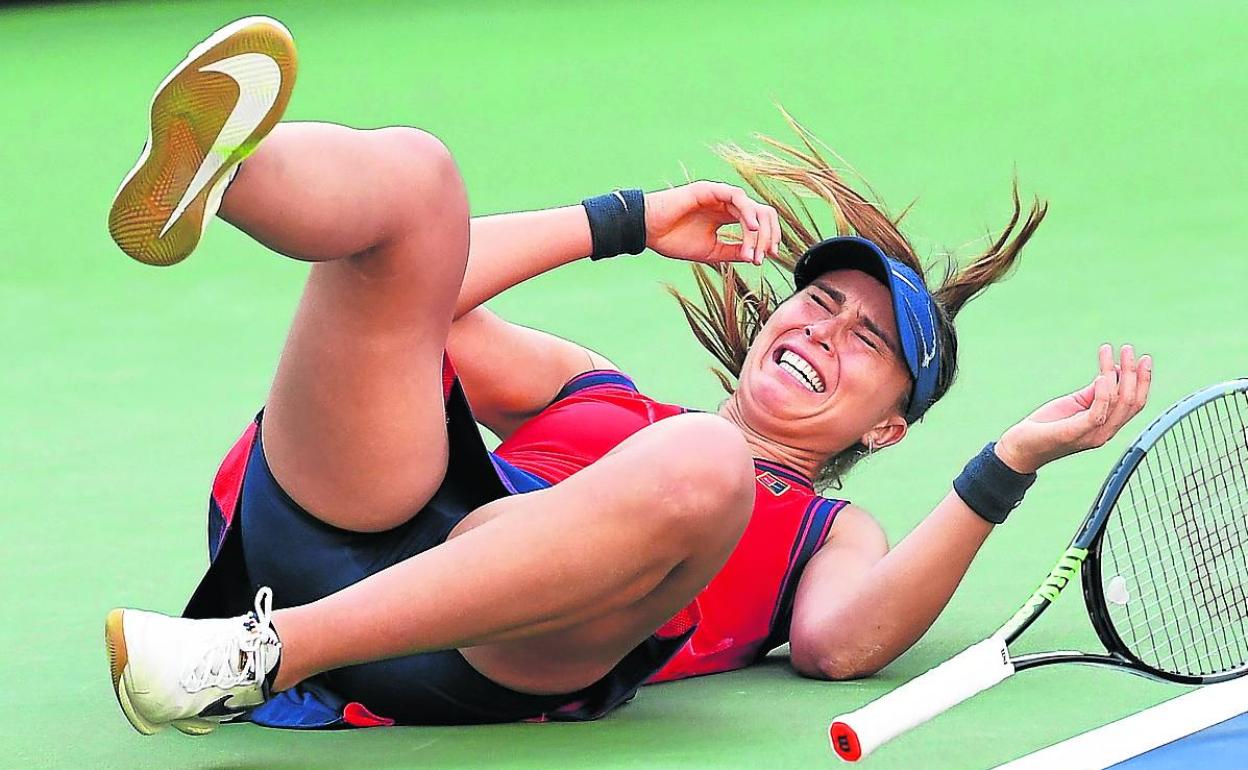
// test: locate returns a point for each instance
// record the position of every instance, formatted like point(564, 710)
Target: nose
point(820, 333)
point(827, 329)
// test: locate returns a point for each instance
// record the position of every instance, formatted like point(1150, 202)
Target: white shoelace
point(241, 657)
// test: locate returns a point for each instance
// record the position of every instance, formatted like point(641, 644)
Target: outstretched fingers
point(1104, 393)
point(1087, 418)
point(1104, 390)
point(1092, 408)
point(1128, 383)
point(1146, 382)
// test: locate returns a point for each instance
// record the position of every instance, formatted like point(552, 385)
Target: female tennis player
point(402, 573)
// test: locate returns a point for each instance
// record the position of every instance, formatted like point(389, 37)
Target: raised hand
point(684, 223)
point(1084, 419)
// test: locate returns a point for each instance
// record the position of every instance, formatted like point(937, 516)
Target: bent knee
point(423, 171)
point(704, 477)
point(413, 150)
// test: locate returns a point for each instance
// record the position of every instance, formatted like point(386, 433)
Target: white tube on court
point(858, 733)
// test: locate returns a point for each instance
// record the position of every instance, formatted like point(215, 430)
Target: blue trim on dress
point(592, 378)
point(817, 520)
point(517, 480)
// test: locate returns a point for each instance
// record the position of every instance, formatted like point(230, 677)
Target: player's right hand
point(684, 223)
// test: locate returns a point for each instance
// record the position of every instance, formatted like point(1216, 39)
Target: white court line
point(1145, 731)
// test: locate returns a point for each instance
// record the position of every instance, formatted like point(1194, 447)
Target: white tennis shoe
point(193, 674)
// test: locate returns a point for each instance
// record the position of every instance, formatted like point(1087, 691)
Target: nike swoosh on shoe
point(222, 708)
point(264, 77)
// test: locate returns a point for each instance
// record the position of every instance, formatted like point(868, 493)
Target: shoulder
point(599, 361)
point(856, 529)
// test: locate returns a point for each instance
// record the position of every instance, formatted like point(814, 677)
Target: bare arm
point(511, 372)
point(681, 223)
point(509, 249)
point(858, 608)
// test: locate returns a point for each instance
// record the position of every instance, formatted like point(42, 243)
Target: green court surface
point(123, 385)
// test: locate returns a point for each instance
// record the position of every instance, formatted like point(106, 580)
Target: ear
point(886, 433)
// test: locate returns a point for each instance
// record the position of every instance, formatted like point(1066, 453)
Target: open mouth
point(800, 369)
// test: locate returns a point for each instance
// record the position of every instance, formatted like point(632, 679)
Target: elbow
point(837, 668)
point(837, 661)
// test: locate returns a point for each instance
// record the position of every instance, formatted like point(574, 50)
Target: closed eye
point(869, 331)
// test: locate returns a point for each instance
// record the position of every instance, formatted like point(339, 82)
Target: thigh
point(575, 658)
point(436, 688)
point(304, 559)
point(355, 422)
point(643, 480)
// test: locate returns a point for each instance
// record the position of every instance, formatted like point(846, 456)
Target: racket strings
point(1153, 514)
point(1218, 595)
point(1210, 595)
point(1217, 584)
point(1214, 591)
point(1168, 630)
point(1208, 456)
point(1142, 624)
point(1228, 649)
point(1165, 626)
point(1221, 541)
point(1175, 551)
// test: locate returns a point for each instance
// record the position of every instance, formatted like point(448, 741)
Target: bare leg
point(606, 556)
point(354, 425)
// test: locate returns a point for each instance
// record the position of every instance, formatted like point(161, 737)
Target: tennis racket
point(1164, 561)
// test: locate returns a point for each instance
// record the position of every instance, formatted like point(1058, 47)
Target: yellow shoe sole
point(115, 645)
point(206, 117)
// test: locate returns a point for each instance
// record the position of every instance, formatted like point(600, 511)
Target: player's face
point(827, 367)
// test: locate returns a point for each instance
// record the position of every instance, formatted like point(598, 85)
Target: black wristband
point(617, 223)
point(990, 487)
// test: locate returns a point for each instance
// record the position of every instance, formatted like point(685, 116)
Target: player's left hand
point(684, 223)
point(1084, 419)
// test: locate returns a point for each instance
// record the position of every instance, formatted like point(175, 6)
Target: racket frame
point(1093, 594)
point(1081, 556)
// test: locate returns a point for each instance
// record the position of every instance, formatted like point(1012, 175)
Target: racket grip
point(858, 733)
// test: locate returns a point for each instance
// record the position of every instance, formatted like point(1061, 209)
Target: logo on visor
point(929, 349)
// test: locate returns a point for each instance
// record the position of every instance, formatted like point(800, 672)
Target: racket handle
point(858, 733)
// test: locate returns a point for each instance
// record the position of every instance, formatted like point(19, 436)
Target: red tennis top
point(745, 610)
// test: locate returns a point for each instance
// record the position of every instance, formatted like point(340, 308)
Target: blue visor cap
point(912, 305)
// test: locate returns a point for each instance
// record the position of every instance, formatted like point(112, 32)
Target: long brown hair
point(729, 312)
